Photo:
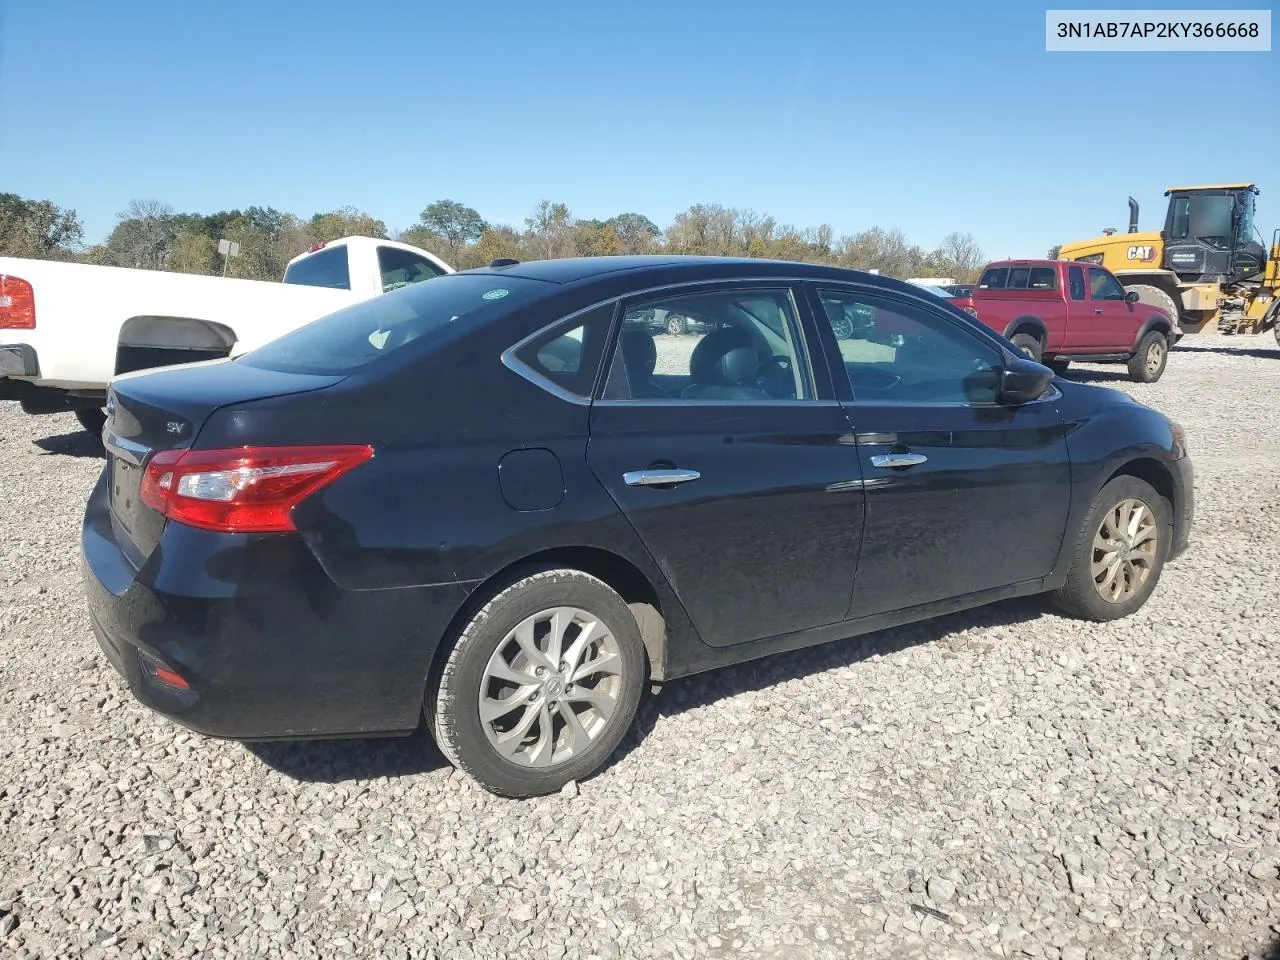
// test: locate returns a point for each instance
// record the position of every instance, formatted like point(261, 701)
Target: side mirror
point(1131, 296)
point(1024, 380)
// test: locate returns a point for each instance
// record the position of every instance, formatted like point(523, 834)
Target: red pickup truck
point(1057, 311)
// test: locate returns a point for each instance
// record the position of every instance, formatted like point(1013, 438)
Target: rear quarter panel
point(1002, 309)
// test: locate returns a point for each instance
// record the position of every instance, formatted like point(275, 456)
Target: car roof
point(1024, 263)
point(573, 270)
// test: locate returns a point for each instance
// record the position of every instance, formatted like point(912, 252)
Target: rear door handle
point(892, 461)
point(652, 478)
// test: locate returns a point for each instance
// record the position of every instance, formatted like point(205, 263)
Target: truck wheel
point(1155, 297)
point(93, 419)
point(1119, 552)
point(1027, 344)
point(1148, 361)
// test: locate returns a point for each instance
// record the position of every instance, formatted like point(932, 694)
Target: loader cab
point(1209, 233)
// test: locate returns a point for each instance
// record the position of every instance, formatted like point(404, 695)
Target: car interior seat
point(724, 366)
point(640, 357)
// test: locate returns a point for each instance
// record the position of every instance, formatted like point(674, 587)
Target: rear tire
point(1027, 344)
point(93, 419)
point(1155, 297)
point(509, 652)
point(677, 325)
point(1108, 556)
point(1149, 360)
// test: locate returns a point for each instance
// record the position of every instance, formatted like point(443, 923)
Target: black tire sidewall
point(1138, 367)
point(1080, 578)
point(1021, 339)
point(92, 419)
point(458, 690)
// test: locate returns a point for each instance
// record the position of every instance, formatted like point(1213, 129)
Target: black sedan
point(490, 501)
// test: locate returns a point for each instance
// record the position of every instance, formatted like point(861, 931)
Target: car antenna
point(503, 262)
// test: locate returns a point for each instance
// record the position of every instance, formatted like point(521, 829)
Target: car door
point(963, 494)
point(1081, 328)
point(728, 453)
point(1114, 325)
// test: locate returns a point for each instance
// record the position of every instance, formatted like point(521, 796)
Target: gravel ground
point(1003, 783)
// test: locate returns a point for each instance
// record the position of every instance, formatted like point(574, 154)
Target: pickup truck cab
point(1057, 311)
point(66, 329)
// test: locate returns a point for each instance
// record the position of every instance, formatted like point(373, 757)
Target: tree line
point(151, 235)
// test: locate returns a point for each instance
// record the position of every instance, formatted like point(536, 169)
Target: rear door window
point(363, 334)
point(325, 268)
point(1075, 280)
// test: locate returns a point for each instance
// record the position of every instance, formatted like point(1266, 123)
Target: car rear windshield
point(1019, 278)
point(327, 268)
point(365, 333)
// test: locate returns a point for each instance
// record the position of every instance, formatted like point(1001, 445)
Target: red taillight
point(17, 304)
point(244, 490)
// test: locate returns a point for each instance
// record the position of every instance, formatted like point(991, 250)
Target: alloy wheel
point(1155, 357)
point(550, 687)
point(1124, 550)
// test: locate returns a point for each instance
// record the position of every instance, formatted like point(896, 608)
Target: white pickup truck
point(67, 328)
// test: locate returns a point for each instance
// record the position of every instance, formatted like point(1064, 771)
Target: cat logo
point(1145, 254)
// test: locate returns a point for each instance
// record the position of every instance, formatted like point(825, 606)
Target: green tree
point(38, 228)
point(456, 223)
point(346, 222)
point(1054, 251)
point(636, 232)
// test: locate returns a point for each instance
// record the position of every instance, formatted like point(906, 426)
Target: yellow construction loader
point(1208, 268)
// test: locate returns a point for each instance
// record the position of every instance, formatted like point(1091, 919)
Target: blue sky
point(924, 117)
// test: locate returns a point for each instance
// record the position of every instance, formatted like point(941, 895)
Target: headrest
point(725, 357)
point(639, 353)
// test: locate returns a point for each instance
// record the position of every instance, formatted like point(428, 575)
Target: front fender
point(1152, 323)
point(1109, 433)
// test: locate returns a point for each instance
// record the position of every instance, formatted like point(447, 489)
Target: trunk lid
point(164, 410)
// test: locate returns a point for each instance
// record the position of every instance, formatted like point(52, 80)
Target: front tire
point(541, 685)
point(1119, 554)
point(1149, 360)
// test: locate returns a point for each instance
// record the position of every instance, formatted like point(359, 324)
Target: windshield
point(364, 333)
point(1202, 217)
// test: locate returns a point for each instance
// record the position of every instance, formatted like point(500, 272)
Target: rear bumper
point(18, 360)
point(268, 646)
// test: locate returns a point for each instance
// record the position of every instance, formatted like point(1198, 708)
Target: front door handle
point(1097, 310)
point(892, 461)
point(658, 478)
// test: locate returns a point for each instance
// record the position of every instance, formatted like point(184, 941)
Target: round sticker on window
point(495, 294)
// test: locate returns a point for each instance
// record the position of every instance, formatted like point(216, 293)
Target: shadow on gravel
point(1097, 376)
point(1258, 352)
point(705, 689)
point(78, 444)
point(333, 761)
